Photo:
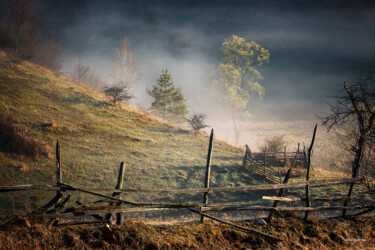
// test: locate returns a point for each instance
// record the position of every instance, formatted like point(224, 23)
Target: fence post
point(265, 160)
point(58, 164)
point(284, 156)
point(308, 204)
point(208, 171)
point(56, 200)
point(280, 194)
point(120, 180)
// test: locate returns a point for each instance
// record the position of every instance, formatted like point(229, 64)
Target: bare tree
point(125, 65)
point(354, 112)
point(119, 91)
point(197, 121)
point(25, 28)
point(81, 71)
point(85, 74)
point(48, 54)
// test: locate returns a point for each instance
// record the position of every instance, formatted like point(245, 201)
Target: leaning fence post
point(308, 204)
point(280, 194)
point(208, 171)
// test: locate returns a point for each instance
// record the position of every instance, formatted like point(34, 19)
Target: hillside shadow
point(170, 130)
point(85, 100)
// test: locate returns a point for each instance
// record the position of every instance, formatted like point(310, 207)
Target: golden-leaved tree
point(237, 78)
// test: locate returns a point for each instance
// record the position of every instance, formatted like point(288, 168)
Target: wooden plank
point(53, 201)
point(237, 226)
point(208, 170)
point(30, 187)
point(278, 209)
point(290, 199)
point(308, 203)
point(70, 187)
point(67, 187)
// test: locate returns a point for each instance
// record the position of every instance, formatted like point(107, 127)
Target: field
point(39, 107)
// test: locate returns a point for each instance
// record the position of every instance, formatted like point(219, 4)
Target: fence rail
point(114, 202)
point(183, 191)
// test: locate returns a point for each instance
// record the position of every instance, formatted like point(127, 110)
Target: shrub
point(275, 143)
point(14, 139)
point(119, 91)
point(197, 121)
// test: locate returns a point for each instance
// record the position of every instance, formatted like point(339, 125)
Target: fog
point(314, 46)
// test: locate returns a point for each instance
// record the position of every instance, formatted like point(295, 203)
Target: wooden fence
point(264, 164)
point(101, 210)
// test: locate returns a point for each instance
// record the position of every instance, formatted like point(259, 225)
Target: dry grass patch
point(14, 138)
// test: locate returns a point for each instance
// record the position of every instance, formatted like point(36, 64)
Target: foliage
point(125, 66)
point(237, 78)
point(353, 115)
point(275, 143)
point(119, 91)
point(197, 121)
point(20, 35)
point(25, 28)
point(168, 100)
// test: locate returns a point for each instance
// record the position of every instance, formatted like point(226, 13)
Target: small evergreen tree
point(168, 100)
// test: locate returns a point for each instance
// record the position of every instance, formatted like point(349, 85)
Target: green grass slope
point(95, 137)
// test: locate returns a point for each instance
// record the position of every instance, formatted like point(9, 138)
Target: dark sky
point(314, 45)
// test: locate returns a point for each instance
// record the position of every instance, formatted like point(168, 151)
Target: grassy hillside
point(95, 137)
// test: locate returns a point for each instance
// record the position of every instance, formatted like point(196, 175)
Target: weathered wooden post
point(280, 194)
point(208, 171)
point(284, 156)
point(120, 181)
point(308, 204)
point(58, 164)
point(265, 160)
point(56, 200)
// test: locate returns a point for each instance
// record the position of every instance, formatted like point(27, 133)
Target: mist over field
point(314, 47)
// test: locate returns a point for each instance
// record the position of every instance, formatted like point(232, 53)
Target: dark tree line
point(21, 36)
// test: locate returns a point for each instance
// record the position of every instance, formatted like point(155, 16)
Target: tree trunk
point(236, 131)
point(355, 168)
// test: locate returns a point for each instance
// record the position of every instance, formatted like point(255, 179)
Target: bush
point(197, 121)
point(14, 139)
point(274, 144)
point(118, 92)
